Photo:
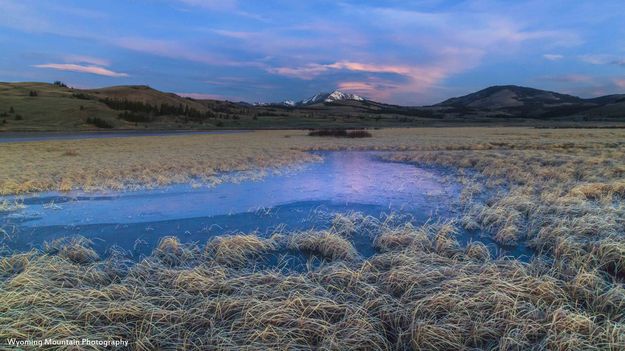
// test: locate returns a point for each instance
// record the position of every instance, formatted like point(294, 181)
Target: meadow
point(559, 191)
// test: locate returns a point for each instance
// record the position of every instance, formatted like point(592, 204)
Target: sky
point(401, 52)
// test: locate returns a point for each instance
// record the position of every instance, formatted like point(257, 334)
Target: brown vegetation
point(558, 191)
point(122, 163)
point(421, 291)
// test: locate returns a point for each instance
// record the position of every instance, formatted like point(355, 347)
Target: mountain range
point(334, 96)
point(496, 101)
point(57, 107)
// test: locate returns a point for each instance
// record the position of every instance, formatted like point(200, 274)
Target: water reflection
point(303, 199)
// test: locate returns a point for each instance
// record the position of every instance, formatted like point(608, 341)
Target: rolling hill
point(56, 107)
point(521, 102)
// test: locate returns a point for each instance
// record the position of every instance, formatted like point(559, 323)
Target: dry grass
point(559, 191)
point(121, 163)
point(563, 199)
point(118, 163)
point(414, 294)
point(325, 245)
point(238, 249)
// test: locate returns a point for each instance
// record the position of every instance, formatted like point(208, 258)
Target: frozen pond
point(281, 201)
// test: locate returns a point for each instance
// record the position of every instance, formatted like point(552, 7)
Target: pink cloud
point(372, 89)
point(82, 69)
point(356, 86)
point(312, 70)
point(620, 83)
point(373, 68)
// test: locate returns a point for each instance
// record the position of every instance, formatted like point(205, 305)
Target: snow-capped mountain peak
point(313, 99)
point(336, 95)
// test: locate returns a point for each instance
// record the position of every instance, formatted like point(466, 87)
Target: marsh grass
point(237, 250)
point(558, 191)
point(126, 163)
point(75, 249)
point(558, 200)
point(417, 292)
point(326, 245)
point(139, 162)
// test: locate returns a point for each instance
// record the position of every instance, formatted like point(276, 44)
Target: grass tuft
point(477, 251)
point(75, 249)
point(324, 244)
point(238, 250)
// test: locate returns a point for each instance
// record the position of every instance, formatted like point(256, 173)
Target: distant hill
point(511, 96)
point(32, 106)
point(516, 101)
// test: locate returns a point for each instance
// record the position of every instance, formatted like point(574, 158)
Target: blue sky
point(405, 52)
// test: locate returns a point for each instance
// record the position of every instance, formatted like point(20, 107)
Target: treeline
point(136, 111)
point(99, 122)
point(136, 117)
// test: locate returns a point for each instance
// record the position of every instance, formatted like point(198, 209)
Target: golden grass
point(412, 296)
point(540, 189)
point(326, 245)
point(75, 249)
point(238, 249)
point(119, 163)
point(558, 191)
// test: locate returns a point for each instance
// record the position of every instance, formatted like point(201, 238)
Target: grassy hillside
point(511, 101)
point(55, 107)
point(43, 106)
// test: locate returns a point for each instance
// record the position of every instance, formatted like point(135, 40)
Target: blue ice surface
point(286, 201)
